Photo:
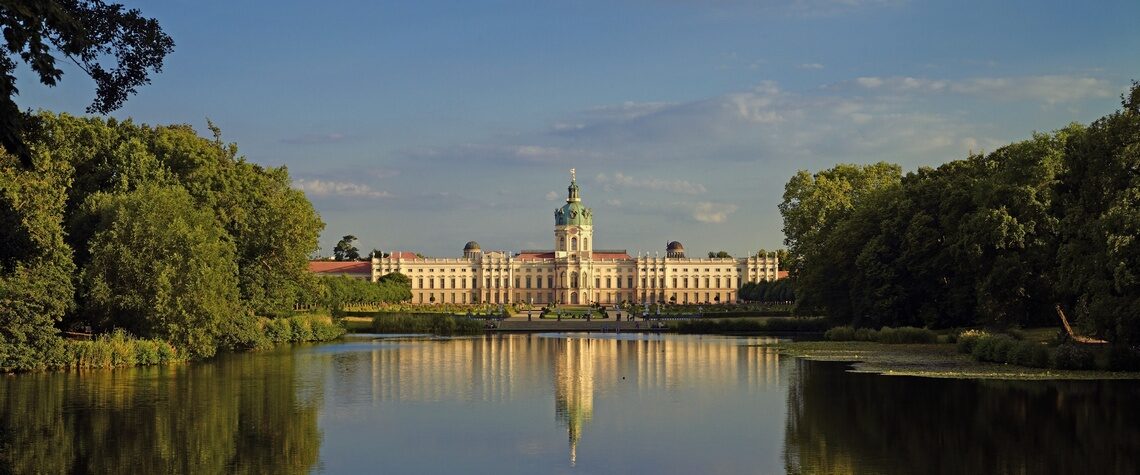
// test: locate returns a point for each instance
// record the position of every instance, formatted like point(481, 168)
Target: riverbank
point(939, 360)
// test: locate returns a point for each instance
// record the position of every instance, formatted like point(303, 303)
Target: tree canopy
point(88, 33)
point(345, 250)
point(993, 239)
point(154, 219)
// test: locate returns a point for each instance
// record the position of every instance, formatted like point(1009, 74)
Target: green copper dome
point(573, 213)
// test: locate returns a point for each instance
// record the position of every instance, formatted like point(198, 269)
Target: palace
point(574, 272)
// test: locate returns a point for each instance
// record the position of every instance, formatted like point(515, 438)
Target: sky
point(421, 125)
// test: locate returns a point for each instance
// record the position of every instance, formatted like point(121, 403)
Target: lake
point(557, 403)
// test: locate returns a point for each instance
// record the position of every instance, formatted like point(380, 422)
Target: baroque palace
point(574, 273)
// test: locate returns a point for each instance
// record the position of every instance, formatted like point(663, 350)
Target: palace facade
point(575, 273)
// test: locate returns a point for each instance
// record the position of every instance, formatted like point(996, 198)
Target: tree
point(1100, 254)
point(719, 255)
point(345, 251)
point(813, 206)
point(162, 267)
point(36, 267)
point(87, 32)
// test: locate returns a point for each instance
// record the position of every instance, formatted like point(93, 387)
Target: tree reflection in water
point(237, 415)
point(842, 422)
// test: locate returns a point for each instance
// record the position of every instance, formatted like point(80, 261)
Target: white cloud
point(1051, 89)
point(810, 66)
point(506, 153)
point(620, 180)
point(710, 212)
point(551, 196)
point(309, 139)
point(317, 187)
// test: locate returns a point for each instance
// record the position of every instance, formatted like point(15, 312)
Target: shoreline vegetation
point(1042, 353)
point(934, 360)
point(162, 245)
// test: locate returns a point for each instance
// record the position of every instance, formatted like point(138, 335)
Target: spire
point(573, 189)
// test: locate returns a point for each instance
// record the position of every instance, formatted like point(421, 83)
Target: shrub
point(866, 334)
point(844, 333)
point(968, 339)
point(1070, 356)
point(1123, 358)
point(993, 348)
point(907, 335)
point(1026, 353)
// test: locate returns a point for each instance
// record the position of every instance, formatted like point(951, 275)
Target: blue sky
point(422, 125)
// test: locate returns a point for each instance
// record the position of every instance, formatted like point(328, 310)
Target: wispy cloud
point(310, 139)
point(620, 180)
point(316, 187)
point(711, 212)
point(505, 153)
point(815, 66)
point(1050, 89)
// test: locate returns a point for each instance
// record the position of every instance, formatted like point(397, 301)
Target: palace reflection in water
point(578, 367)
point(555, 404)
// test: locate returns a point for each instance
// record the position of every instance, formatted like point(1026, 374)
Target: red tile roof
point(783, 274)
point(611, 255)
point(336, 267)
point(403, 255)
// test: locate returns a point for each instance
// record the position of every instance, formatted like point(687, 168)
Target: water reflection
point(840, 422)
point(620, 404)
point(238, 415)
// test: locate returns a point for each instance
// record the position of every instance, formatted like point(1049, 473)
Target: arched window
point(574, 279)
point(574, 244)
point(585, 244)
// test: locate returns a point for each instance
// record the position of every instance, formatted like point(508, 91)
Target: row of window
point(602, 297)
point(611, 282)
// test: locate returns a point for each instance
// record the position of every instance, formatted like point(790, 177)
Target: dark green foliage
point(843, 333)
point(751, 325)
point(906, 335)
point(89, 33)
point(995, 239)
point(768, 291)
point(887, 335)
point(345, 251)
point(174, 235)
point(160, 268)
point(335, 293)
point(1100, 252)
point(435, 324)
point(968, 340)
point(1070, 356)
point(36, 268)
point(1123, 358)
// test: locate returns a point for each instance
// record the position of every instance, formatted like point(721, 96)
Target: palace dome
point(573, 213)
point(471, 246)
point(674, 246)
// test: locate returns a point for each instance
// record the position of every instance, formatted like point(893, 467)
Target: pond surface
point(555, 404)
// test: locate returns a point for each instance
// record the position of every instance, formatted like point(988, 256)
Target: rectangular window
point(629, 282)
point(518, 281)
point(550, 283)
point(597, 282)
point(609, 282)
point(619, 282)
point(420, 283)
point(674, 282)
point(528, 280)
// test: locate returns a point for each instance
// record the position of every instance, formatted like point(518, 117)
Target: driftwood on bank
point(1077, 338)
